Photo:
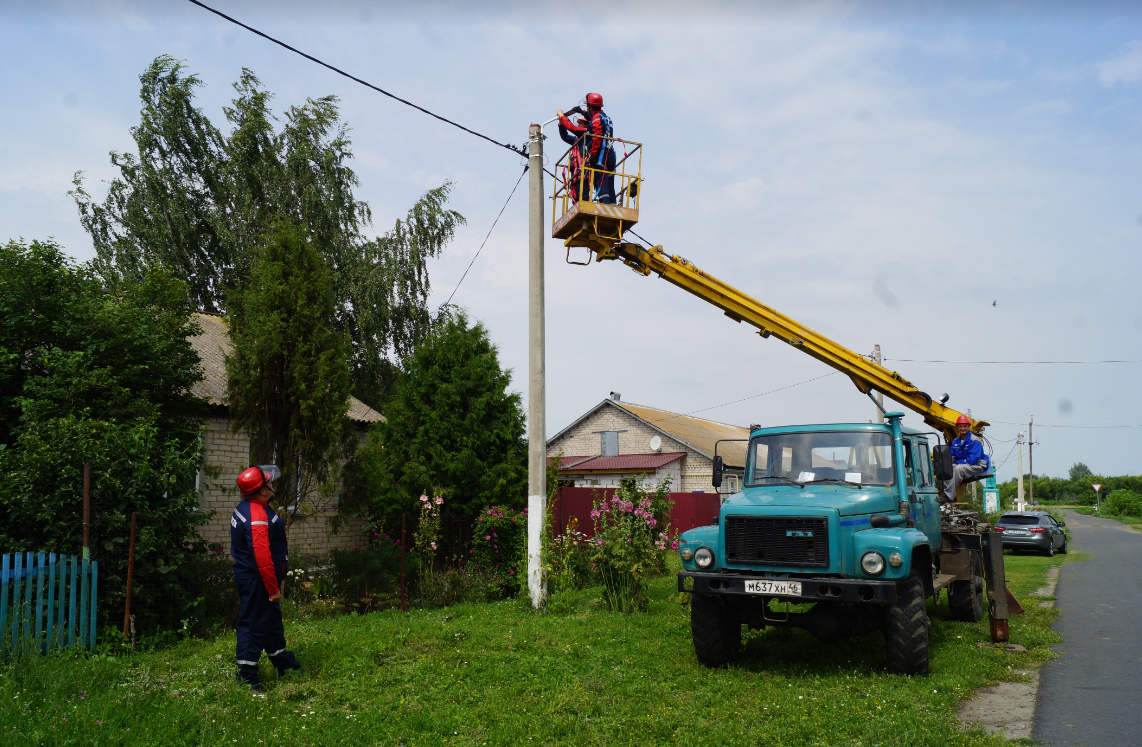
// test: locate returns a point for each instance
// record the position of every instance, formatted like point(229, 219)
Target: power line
point(743, 399)
point(1085, 427)
point(512, 148)
point(485, 241)
point(1056, 363)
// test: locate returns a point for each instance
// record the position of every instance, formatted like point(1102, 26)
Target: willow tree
point(201, 202)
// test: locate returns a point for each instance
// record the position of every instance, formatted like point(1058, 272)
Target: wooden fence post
point(402, 544)
point(130, 578)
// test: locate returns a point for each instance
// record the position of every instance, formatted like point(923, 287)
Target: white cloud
point(1124, 66)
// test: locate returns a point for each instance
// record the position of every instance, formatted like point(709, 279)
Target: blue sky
point(881, 172)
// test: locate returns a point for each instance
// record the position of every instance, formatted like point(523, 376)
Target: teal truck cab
point(846, 517)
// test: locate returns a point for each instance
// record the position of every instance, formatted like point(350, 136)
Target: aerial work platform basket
point(577, 216)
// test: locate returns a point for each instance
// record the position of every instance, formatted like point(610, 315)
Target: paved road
point(1092, 694)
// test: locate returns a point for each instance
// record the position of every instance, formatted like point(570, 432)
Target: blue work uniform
point(258, 546)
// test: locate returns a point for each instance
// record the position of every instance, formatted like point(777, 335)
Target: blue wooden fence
point(47, 602)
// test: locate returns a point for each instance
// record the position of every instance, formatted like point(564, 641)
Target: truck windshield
point(863, 458)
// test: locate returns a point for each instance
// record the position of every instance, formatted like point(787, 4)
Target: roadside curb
point(1009, 707)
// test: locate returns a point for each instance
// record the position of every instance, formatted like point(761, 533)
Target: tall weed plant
point(499, 542)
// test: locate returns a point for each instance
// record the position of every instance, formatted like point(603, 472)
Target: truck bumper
point(812, 589)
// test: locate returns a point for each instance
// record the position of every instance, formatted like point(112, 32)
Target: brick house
point(615, 440)
point(227, 453)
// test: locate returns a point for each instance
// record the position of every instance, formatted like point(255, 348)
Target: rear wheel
point(717, 633)
point(1063, 549)
point(1050, 551)
point(965, 598)
point(906, 635)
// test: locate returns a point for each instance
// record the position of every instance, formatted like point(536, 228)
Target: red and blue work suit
point(258, 546)
point(597, 153)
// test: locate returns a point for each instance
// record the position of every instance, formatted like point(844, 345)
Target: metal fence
point(47, 602)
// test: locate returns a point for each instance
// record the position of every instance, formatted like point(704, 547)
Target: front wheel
point(906, 635)
point(717, 633)
point(965, 598)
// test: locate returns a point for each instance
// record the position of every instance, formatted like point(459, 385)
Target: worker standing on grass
point(968, 458)
point(258, 546)
point(598, 153)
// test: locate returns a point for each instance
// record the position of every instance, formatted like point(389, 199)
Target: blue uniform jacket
point(258, 544)
point(968, 450)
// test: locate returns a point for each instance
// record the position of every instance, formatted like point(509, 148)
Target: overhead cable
point(513, 148)
point(485, 241)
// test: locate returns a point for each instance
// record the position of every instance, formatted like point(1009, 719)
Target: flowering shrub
point(499, 542)
point(631, 539)
point(428, 531)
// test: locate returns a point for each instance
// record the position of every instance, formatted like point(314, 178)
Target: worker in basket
point(598, 151)
point(258, 546)
point(968, 459)
point(574, 173)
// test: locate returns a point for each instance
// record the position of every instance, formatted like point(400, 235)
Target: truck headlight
point(895, 560)
point(872, 562)
point(704, 558)
point(687, 553)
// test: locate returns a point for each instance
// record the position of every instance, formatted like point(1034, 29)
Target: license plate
point(776, 587)
point(1018, 532)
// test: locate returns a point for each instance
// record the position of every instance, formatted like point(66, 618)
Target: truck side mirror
point(717, 472)
point(942, 462)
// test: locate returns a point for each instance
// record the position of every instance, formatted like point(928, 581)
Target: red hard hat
point(963, 419)
point(595, 99)
point(255, 478)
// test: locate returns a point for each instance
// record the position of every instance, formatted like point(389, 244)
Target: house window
point(610, 443)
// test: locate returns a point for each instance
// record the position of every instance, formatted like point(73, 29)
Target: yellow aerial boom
point(600, 228)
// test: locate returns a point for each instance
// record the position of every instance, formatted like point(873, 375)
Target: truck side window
point(925, 465)
point(909, 471)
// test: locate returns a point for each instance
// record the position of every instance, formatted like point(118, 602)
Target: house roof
point(565, 461)
point(213, 345)
point(697, 433)
point(623, 463)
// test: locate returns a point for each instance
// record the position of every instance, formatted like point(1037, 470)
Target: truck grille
point(777, 540)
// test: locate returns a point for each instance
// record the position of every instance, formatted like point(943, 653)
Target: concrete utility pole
point(1031, 459)
point(1019, 445)
point(879, 397)
point(536, 384)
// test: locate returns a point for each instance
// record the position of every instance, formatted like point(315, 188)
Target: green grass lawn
point(1133, 521)
point(501, 674)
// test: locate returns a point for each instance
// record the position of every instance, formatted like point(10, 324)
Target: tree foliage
point(70, 346)
point(453, 427)
point(1079, 470)
point(288, 375)
point(199, 201)
point(100, 374)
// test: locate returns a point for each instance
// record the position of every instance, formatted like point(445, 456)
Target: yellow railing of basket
point(627, 173)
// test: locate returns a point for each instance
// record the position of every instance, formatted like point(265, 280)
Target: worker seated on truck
point(598, 153)
point(968, 459)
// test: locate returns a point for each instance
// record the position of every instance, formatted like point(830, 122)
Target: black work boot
point(249, 675)
point(285, 661)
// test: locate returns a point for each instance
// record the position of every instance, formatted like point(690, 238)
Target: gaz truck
point(841, 520)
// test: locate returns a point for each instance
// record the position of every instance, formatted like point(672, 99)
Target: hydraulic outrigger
point(601, 229)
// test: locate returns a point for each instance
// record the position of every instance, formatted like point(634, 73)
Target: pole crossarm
point(867, 375)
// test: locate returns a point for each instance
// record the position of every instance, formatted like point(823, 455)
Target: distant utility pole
point(536, 384)
point(879, 397)
point(1019, 445)
point(1031, 458)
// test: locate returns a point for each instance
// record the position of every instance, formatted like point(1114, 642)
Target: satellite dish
point(655, 443)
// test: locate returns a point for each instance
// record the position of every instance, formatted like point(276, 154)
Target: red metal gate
point(689, 510)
